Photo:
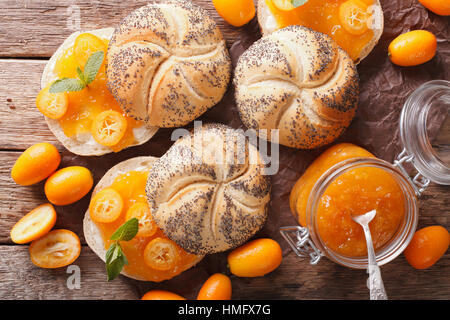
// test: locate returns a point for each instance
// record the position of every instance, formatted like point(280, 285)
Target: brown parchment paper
point(384, 89)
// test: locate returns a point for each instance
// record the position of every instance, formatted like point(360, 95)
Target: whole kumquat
point(56, 249)
point(440, 7)
point(217, 287)
point(427, 246)
point(255, 258)
point(34, 224)
point(161, 295)
point(35, 164)
point(68, 185)
point(235, 12)
point(413, 48)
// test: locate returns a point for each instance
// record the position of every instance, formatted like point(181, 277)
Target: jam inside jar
point(354, 193)
point(346, 181)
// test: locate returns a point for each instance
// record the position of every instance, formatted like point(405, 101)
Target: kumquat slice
point(161, 254)
point(109, 127)
point(106, 206)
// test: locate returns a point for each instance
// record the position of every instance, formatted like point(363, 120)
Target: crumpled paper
point(384, 89)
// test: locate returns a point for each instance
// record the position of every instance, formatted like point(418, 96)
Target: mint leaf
point(92, 66)
point(114, 268)
point(298, 3)
point(127, 231)
point(80, 75)
point(113, 252)
point(66, 84)
point(115, 259)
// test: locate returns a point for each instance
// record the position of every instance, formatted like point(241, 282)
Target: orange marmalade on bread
point(346, 21)
point(352, 193)
point(84, 106)
point(151, 255)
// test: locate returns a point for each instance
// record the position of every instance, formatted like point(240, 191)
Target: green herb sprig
point(115, 258)
point(298, 3)
point(85, 77)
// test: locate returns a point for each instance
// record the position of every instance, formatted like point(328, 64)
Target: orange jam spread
point(352, 193)
point(348, 25)
point(131, 187)
point(87, 104)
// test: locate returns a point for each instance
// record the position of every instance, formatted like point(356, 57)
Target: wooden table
point(30, 31)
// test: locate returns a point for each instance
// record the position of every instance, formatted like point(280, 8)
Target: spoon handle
point(375, 282)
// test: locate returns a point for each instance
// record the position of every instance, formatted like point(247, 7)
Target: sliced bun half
point(90, 229)
point(268, 25)
point(84, 144)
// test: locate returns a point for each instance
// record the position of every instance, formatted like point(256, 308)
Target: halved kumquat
point(35, 164)
point(141, 211)
point(106, 206)
point(34, 224)
point(56, 249)
point(52, 105)
point(109, 127)
point(161, 295)
point(161, 254)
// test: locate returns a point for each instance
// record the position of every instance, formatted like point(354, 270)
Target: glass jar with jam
point(347, 180)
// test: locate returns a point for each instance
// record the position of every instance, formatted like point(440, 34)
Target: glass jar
point(425, 132)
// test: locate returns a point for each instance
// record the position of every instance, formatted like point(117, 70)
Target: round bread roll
point(168, 63)
point(300, 82)
point(92, 232)
point(268, 24)
point(208, 193)
point(84, 144)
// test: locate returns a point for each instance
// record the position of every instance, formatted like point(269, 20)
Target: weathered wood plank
point(35, 28)
point(20, 279)
point(21, 124)
point(294, 279)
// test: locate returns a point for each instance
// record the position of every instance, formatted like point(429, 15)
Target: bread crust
point(268, 24)
point(300, 82)
point(90, 229)
point(168, 63)
point(84, 144)
point(207, 197)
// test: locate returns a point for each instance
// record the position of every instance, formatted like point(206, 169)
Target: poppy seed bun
point(208, 192)
point(298, 81)
point(268, 24)
point(92, 232)
point(84, 144)
point(168, 63)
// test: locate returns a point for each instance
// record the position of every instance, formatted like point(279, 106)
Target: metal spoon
point(375, 282)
